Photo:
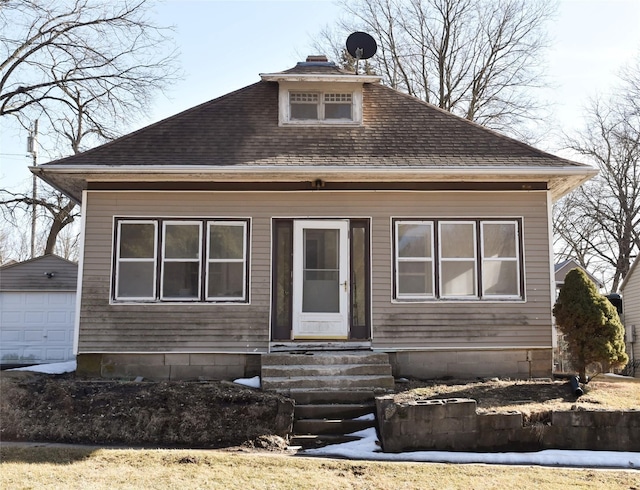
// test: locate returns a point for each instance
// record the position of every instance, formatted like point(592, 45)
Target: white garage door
point(36, 327)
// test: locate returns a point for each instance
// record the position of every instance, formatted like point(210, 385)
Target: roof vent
point(317, 58)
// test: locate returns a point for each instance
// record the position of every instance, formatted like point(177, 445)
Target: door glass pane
point(321, 274)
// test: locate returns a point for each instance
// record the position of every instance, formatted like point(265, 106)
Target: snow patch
point(250, 382)
point(367, 448)
point(54, 368)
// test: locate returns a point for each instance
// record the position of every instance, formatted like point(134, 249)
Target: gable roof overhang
point(73, 179)
point(627, 278)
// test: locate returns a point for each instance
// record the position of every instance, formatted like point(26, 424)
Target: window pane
point(414, 240)
point(135, 280)
point(182, 241)
point(137, 240)
point(226, 280)
point(415, 278)
point(499, 239)
point(226, 242)
point(337, 111)
point(458, 278)
point(500, 277)
point(180, 280)
point(457, 240)
point(304, 111)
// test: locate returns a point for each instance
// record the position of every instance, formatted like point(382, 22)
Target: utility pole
point(32, 147)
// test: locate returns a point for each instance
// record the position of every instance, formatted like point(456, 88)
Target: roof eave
point(319, 77)
point(561, 180)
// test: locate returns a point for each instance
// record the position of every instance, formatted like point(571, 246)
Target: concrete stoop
point(334, 391)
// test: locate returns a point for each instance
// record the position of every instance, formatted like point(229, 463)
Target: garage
point(37, 311)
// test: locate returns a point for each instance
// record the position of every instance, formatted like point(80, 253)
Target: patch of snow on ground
point(54, 368)
point(367, 448)
point(250, 382)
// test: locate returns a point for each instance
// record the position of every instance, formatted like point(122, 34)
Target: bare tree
point(85, 69)
point(477, 59)
point(600, 222)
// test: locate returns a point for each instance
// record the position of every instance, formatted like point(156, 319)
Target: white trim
point(406, 173)
point(83, 224)
point(319, 77)
point(515, 259)
point(397, 260)
point(244, 260)
point(334, 324)
point(476, 293)
point(552, 274)
point(164, 260)
point(118, 259)
point(181, 220)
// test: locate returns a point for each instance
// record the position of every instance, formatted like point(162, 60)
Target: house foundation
point(169, 366)
point(465, 364)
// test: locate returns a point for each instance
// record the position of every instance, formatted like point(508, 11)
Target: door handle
point(345, 286)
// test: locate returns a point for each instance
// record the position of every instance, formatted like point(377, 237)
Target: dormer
point(316, 92)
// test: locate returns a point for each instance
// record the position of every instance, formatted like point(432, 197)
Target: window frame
point(478, 245)
point(517, 259)
point(243, 260)
point(159, 260)
point(320, 106)
point(119, 260)
point(403, 296)
point(164, 260)
point(442, 259)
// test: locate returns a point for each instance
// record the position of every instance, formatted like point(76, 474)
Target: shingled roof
point(240, 130)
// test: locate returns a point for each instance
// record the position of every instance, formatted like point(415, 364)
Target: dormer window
point(318, 93)
point(318, 106)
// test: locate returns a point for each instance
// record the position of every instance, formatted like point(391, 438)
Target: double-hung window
point(457, 259)
point(192, 260)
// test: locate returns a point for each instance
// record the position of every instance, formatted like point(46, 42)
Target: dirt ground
point(218, 414)
point(62, 408)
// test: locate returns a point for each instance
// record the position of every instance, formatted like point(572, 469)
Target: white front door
point(320, 279)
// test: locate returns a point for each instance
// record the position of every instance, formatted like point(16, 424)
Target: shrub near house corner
point(590, 324)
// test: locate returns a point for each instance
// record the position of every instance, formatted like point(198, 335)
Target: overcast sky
point(225, 45)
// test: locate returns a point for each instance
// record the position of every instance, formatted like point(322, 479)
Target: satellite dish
point(361, 45)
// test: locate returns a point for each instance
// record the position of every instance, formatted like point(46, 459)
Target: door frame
point(281, 301)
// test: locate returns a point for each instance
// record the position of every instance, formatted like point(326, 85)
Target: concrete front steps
point(334, 391)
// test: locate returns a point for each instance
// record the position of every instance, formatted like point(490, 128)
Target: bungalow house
point(315, 210)
point(630, 290)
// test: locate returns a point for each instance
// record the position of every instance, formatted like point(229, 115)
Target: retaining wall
point(454, 425)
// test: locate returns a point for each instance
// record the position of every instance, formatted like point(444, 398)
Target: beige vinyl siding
point(106, 327)
point(631, 310)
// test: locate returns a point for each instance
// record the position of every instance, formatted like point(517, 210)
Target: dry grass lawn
point(71, 468)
